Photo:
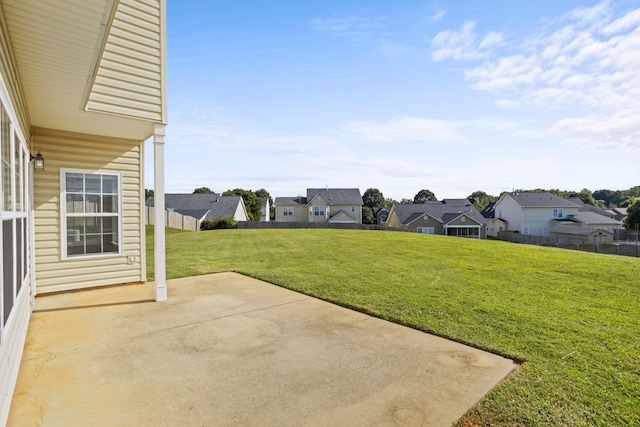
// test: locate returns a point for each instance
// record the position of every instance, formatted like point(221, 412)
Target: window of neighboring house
point(426, 230)
point(318, 210)
point(288, 211)
point(462, 219)
point(525, 230)
point(557, 213)
point(545, 231)
point(353, 208)
point(92, 214)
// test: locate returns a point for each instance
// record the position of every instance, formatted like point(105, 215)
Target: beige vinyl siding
point(10, 77)
point(129, 79)
point(426, 221)
point(86, 152)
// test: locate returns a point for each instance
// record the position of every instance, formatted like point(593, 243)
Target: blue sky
point(453, 96)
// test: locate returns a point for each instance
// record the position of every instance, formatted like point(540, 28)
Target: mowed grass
point(572, 317)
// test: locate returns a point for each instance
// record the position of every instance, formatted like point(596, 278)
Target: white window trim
point(63, 213)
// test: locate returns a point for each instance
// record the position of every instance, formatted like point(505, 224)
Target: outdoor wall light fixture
point(38, 161)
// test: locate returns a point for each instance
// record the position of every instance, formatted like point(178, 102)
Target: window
point(426, 230)
point(5, 131)
point(525, 230)
point(318, 210)
point(288, 211)
point(557, 213)
point(545, 231)
point(91, 213)
point(353, 208)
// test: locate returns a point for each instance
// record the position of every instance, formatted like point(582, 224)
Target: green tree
point(367, 215)
point(147, 193)
point(373, 198)
point(406, 201)
point(423, 196)
point(251, 202)
point(203, 190)
point(632, 221)
point(480, 199)
point(390, 202)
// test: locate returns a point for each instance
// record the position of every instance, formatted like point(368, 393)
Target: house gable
point(342, 217)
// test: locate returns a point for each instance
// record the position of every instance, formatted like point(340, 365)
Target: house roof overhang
point(69, 59)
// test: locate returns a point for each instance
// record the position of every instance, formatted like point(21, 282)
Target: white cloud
point(507, 103)
point(621, 130)
point(438, 15)
point(587, 61)
point(629, 20)
point(351, 26)
point(463, 44)
point(404, 129)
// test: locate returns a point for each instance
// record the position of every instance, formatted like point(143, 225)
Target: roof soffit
point(57, 47)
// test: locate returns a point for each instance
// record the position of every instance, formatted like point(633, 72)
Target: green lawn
point(573, 317)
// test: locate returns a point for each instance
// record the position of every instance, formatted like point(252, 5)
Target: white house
point(532, 212)
point(82, 86)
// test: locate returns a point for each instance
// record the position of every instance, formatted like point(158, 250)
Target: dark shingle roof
point(444, 211)
point(584, 207)
point(299, 200)
point(594, 218)
point(541, 200)
point(196, 205)
point(489, 211)
point(337, 196)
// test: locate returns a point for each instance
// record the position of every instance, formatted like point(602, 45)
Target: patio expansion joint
point(52, 355)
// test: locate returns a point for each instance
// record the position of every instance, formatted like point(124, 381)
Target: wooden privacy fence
point(626, 249)
point(174, 220)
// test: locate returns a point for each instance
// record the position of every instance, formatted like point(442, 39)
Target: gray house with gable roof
point(321, 205)
point(211, 206)
point(449, 217)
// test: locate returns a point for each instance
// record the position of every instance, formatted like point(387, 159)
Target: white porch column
point(159, 221)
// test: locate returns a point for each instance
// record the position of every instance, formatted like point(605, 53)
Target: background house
point(83, 83)
point(449, 217)
point(532, 212)
point(537, 214)
point(332, 205)
point(381, 214)
point(203, 206)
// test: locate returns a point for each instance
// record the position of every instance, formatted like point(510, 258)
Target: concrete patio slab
point(228, 350)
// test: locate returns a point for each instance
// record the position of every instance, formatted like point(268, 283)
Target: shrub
point(220, 223)
point(207, 224)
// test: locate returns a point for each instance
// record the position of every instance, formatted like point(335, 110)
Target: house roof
point(287, 201)
point(444, 211)
point(489, 211)
point(214, 205)
point(540, 200)
point(584, 207)
point(337, 196)
point(594, 218)
point(619, 211)
point(578, 231)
